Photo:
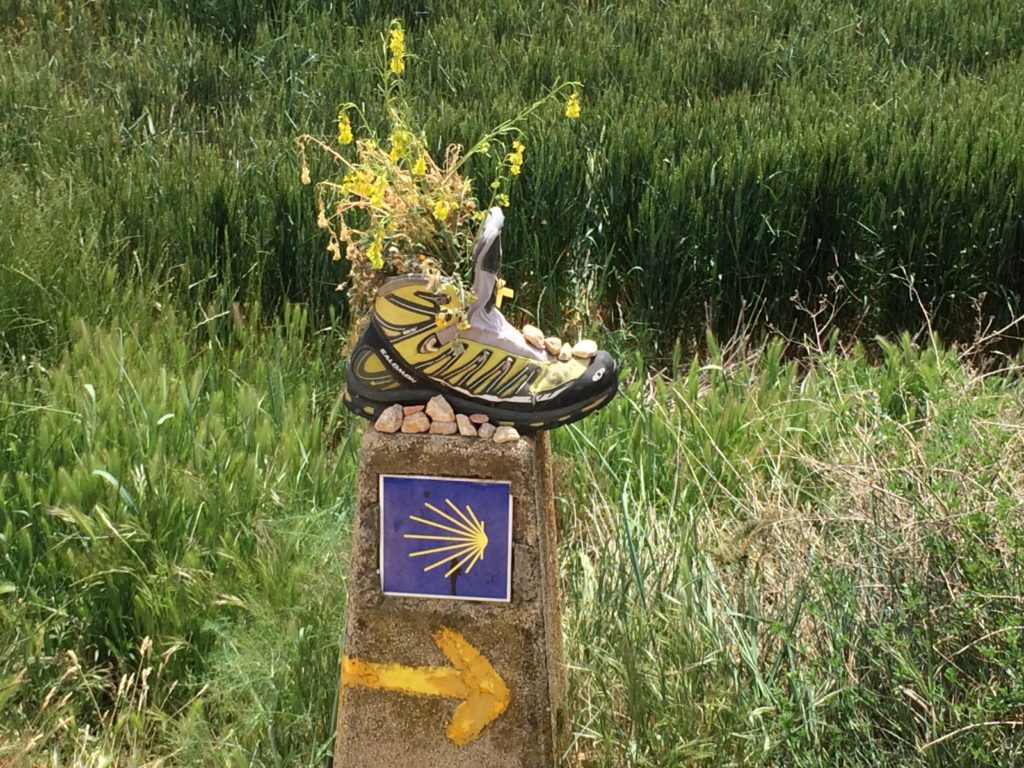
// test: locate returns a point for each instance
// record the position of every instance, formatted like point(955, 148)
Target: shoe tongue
point(486, 323)
point(487, 260)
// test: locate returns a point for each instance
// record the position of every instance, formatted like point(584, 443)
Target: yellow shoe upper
point(419, 316)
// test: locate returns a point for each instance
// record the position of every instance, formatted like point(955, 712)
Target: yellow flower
point(344, 128)
point(360, 183)
point(377, 195)
point(419, 168)
point(572, 106)
point(502, 200)
point(515, 158)
point(396, 44)
point(399, 141)
point(444, 318)
point(375, 253)
point(441, 210)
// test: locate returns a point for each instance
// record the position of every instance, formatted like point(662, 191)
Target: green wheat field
point(796, 538)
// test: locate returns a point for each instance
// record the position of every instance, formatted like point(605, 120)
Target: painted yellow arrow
point(471, 678)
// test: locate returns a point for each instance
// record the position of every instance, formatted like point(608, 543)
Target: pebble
point(409, 410)
point(506, 435)
point(486, 431)
point(553, 345)
point(534, 335)
point(416, 423)
point(565, 353)
point(443, 428)
point(479, 418)
point(465, 425)
point(438, 409)
point(585, 348)
point(390, 419)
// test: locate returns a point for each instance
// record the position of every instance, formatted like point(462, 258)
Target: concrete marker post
point(448, 680)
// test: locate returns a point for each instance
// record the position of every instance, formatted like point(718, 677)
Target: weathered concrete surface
point(521, 639)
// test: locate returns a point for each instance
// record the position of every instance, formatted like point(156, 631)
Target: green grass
point(769, 568)
point(151, 488)
point(768, 559)
point(734, 161)
point(764, 562)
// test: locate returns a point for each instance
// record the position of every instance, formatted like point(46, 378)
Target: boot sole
point(369, 405)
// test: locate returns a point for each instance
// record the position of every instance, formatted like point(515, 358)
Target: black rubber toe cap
point(601, 373)
point(599, 378)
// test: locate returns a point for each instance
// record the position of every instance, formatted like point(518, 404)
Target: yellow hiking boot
point(427, 337)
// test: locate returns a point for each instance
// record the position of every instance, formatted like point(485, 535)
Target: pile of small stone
point(438, 418)
point(584, 348)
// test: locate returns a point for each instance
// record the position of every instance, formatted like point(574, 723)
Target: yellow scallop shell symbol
point(464, 537)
